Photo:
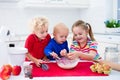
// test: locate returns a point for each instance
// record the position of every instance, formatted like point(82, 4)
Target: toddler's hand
point(63, 52)
point(54, 55)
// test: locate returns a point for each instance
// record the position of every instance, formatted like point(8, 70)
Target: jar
point(111, 54)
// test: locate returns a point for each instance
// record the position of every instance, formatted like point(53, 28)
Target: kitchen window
point(116, 9)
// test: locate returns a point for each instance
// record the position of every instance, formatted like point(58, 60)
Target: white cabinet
point(107, 41)
point(103, 45)
point(78, 3)
point(9, 0)
point(9, 3)
point(57, 3)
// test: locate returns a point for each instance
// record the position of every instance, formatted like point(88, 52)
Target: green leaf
point(112, 23)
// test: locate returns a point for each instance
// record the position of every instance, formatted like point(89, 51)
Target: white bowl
point(66, 63)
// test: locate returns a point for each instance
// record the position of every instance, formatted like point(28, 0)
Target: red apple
point(16, 70)
point(5, 71)
point(9, 68)
point(4, 76)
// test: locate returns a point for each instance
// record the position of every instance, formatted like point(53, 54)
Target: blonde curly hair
point(38, 23)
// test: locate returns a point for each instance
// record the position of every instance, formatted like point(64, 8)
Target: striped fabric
point(91, 45)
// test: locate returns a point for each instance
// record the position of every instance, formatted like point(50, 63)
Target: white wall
point(17, 18)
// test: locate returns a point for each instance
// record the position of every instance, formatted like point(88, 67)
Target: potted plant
point(112, 25)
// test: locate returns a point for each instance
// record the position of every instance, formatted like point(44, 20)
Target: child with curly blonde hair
point(37, 40)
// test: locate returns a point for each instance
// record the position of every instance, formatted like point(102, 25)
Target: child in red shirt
point(37, 41)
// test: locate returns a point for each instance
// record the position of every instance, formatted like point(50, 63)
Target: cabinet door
point(58, 3)
point(102, 46)
point(77, 2)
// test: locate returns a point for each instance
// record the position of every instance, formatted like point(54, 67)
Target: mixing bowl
point(66, 63)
